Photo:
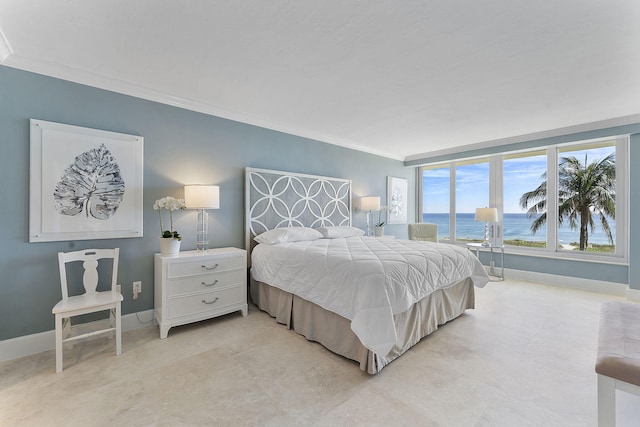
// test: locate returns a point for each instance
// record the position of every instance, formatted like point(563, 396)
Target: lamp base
point(486, 235)
point(202, 231)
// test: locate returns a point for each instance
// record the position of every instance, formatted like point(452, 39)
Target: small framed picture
point(397, 192)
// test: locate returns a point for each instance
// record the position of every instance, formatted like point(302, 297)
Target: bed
point(365, 298)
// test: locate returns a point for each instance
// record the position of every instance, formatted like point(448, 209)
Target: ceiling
point(399, 78)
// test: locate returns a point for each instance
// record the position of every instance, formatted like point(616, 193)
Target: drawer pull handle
point(212, 302)
point(210, 284)
point(209, 268)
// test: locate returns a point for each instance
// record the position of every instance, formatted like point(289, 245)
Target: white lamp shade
point(370, 203)
point(486, 214)
point(202, 196)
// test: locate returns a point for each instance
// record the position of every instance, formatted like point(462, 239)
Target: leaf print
point(397, 203)
point(92, 183)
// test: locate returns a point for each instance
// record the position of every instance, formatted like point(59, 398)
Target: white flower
point(171, 204)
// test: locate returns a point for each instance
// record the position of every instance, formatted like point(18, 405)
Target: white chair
point(423, 231)
point(90, 301)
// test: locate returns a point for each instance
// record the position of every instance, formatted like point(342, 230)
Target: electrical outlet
point(137, 288)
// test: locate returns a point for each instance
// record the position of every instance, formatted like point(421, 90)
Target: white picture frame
point(397, 193)
point(85, 184)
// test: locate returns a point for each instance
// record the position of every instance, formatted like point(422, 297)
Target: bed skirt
point(334, 331)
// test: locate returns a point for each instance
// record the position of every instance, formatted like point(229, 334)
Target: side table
point(477, 247)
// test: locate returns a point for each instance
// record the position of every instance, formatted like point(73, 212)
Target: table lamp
point(202, 197)
point(486, 215)
point(369, 203)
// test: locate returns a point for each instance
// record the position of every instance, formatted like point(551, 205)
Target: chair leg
point(112, 322)
point(58, 343)
point(606, 401)
point(118, 330)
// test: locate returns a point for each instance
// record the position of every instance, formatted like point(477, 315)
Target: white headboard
point(283, 199)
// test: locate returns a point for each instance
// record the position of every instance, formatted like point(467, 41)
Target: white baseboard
point(633, 295)
point(612, 288)
point(37, 343)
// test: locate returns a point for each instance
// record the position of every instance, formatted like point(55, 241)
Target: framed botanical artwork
point(397, 193)
point(85, 183)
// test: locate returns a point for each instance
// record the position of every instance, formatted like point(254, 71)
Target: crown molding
point(5, 47)
point(633, 119)
point(75, 75)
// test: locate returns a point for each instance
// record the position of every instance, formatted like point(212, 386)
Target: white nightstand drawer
point(205, 282)
point(205, 302)
point(204, 266)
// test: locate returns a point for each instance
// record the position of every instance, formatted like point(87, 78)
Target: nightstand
point(477, 247)
point(193, 286)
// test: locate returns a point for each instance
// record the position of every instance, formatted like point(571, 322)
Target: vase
point(169, 246)
point(378, 231)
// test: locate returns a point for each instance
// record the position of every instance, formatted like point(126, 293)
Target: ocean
point(516, 226)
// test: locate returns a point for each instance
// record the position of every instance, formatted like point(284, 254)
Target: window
point(542, 196)
point(472, 191)
point(586, 197)
point(436, 198)
point(521, 173)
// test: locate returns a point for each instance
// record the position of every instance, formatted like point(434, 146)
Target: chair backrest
point(423, 231)
point(89, 258)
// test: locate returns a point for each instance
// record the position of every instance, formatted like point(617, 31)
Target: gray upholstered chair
point(423, 231)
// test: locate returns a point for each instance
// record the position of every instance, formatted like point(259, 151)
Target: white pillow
point(340, 231)
point(287, 234)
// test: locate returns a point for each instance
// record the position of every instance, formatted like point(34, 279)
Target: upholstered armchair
point(423, 231)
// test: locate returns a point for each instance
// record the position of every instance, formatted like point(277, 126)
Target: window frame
point(496, 190)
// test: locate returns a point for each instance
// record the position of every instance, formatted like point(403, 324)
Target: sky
point(472, 182)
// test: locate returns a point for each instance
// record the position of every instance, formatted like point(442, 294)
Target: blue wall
point(575, 268)
point(180, 147)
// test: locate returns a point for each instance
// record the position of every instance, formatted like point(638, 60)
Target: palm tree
point(583, 191)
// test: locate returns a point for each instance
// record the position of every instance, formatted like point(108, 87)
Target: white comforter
point(365, 279)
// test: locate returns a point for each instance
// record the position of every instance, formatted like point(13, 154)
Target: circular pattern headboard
point(283, 199)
